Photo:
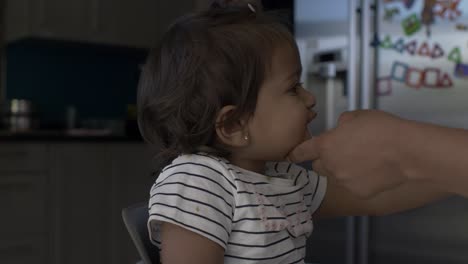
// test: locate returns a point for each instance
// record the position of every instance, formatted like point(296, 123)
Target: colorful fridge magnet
point(386, 43)
point(445, 81)
point(455, 55)
point(431, 77)
point(414, 78)
point(384, 86)
point(411, 47)
point(427, 15)
point(411, 24)
point(399, 71)
point(447, 9)
point(424, 50)
point(408, 3)
point(437, 51)
point(461, 70)
point(399, 45)
point(461, 27)
point(390, 13)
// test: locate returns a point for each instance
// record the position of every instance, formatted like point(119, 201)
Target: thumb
point(307, 150)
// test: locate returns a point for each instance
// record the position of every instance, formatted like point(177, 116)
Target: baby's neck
point(257, 166)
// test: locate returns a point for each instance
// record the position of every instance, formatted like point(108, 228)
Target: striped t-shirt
point(256, 218)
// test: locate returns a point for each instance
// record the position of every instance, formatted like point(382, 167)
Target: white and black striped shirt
point(254, 217)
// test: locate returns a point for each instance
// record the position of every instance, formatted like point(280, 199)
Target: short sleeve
point(315, 189)
point(314, 185)
point(194, 192)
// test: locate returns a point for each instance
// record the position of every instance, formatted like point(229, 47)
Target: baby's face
point(283, 110)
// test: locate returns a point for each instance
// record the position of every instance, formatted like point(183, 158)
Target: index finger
point(348, 115)
point(307, 150)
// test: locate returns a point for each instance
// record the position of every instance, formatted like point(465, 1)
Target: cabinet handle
point(15, 187)
point(14, 250)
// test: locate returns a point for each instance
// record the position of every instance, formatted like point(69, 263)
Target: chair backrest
point(135, 218)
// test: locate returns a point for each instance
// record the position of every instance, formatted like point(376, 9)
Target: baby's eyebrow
point(295, 74)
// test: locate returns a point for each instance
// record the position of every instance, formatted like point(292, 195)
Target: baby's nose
point(308, 98)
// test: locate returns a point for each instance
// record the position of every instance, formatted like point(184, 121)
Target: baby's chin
point(306, 137)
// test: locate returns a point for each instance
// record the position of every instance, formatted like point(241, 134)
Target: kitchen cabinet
point(82, 191)
point(24, 226)
point(61, 202)
point(131, 180)
point(119, 22)
point(21, 250)
point(202, 4)
point(57, 19)
point(23, 157)
point(24, 198)
point(123, 22)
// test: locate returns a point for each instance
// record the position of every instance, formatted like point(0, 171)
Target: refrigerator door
point(422, 74)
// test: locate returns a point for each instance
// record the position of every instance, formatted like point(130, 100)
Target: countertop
point(80, 135)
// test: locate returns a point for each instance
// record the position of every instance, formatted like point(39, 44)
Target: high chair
point(135, 218)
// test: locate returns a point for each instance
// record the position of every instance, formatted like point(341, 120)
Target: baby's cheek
point(302, 136)
point(307, 135)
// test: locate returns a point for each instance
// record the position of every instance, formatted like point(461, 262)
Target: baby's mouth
point(307, 135)
point(311, 116)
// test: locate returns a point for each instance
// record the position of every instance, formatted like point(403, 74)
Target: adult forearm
point(435, 154)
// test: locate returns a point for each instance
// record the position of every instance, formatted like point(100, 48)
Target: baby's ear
point(232, 134)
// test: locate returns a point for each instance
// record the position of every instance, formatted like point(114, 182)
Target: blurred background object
point(81, 53)
point(2, 47)
point(19, 115)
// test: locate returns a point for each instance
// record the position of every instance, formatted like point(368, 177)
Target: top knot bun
point(255, 4)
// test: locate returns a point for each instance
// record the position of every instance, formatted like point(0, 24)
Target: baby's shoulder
point(197, 161)
point(285, 169)
point(199, 164)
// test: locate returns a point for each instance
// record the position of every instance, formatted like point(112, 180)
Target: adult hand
point(361, 153)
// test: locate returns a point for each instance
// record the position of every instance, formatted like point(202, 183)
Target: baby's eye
point(295, 89)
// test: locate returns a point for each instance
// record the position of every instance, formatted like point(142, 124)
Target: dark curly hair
point(205, 61)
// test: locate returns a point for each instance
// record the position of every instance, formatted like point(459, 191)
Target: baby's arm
point(191, 209)
point(338, 201)
point(181, 246)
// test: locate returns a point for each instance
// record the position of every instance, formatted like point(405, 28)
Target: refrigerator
point(406, 57)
